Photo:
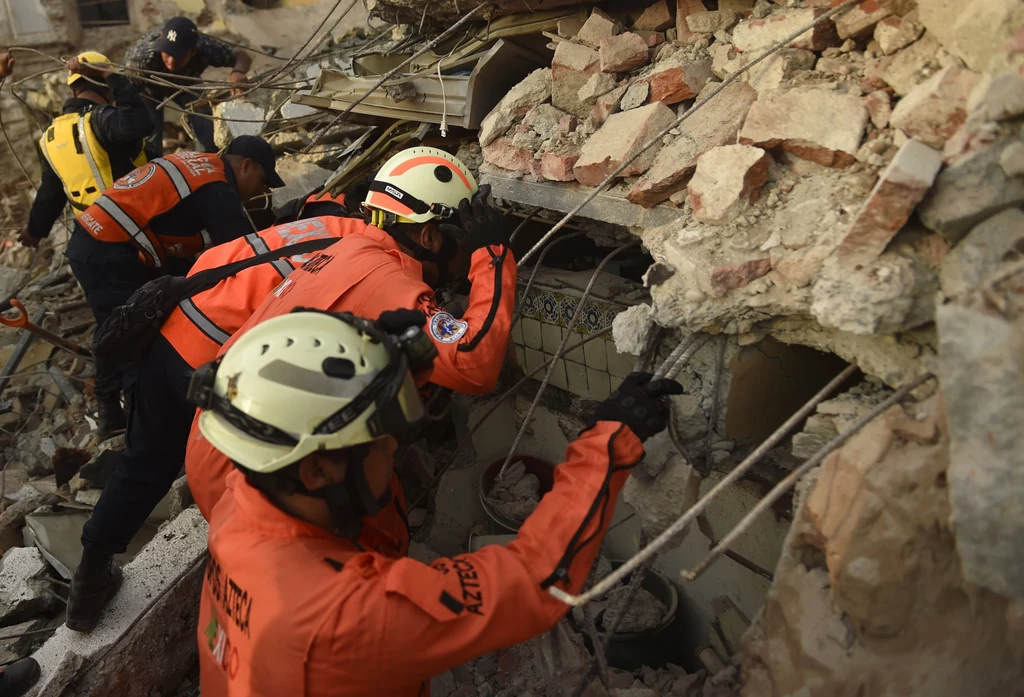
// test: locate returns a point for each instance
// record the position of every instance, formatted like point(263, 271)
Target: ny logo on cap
point(172, 35)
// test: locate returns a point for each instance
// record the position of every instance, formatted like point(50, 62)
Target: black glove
point(480, 223)
point(397, 321)
point(638, 403)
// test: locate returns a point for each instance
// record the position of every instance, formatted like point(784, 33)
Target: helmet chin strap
point(351, 500)
point(449, 248)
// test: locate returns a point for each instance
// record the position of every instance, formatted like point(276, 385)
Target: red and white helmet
point(420, 184)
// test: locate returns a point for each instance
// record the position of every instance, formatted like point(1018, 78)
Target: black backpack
point(126, 335)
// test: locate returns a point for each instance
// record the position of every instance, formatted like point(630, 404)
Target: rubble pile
point(516, 494)
point(819, 194)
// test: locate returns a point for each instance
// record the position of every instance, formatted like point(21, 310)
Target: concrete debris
point(727, 179)
point(635, 95)
point(997, 97)
point(969, 191)
point(685, 8)
point(894, 33)
point(711, 22)
point(900, 187)
point(656, 17)
point(529, 93)
point(879, 105)
point(300, 178)
point(599, 84)
point(860, 19)
point(974, 31)
point(516, 494)
point(644, 613)
point(598, 28)
point(662, 490)
point(980, 253)
point(548, 122)
point(935, 109)
point(733, 276)
point(623, 53)
point(1012, 160)
point(678, 78)
point(777, 70)
point(608, 104)
point(26, 588)
point(817, 125)
point(755, 35)
point(236, 119)
point(620, 138)
point(631, 329)
point(717, 124)
point(571, 67)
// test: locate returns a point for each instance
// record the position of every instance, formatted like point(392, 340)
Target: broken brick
point(685, 8)
point(894, 33)
point(935, 109)
point(567, 125)
point(759, 34)
point(879, 104)
point(716, 124)
point(657, 17)
point(678, 78)
point(732, 276)
point(622, 136)
point(728, 179)
point(623, 53)
point(571, 67)
point(860, 18)
point(774, 71)
point(501, 152)
point(607, 104)
point(900, 187)
point(558, 167)
point(598, 27)
point(814, 124)
point(651, 38)
point(711, 22)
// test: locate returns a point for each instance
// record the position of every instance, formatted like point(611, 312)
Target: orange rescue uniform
point(366, 274)
point(289, 609)
point(200, 325)
point(124, 211)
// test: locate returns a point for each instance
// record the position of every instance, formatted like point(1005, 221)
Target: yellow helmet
point(417, 185)
point(86, 57)
point(308, 381)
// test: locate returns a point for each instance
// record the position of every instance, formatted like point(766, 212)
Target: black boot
point(111, 416)
point(96, 581)
point(17, 678)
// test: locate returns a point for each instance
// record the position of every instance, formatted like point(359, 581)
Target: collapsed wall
point(858, 193)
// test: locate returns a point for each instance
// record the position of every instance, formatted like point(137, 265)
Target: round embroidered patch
point(136, 177)
point(446, 329)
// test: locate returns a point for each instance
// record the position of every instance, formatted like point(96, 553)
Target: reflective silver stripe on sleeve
point(179, 181)
point(259, 246)
point(129, 226)
point(203, 322)
point(102, 185)
point(207, 240)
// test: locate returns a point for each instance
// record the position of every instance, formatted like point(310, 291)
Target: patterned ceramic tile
point(550, 307)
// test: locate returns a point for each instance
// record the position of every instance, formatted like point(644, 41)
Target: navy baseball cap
point(260, 152)
point(178, 37)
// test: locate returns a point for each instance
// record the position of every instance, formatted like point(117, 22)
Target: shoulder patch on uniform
point(136, 177)
point(446, 329)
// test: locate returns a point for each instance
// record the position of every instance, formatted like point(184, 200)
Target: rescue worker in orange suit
point(414, 197)
point(161, 416)
point(308, 406)
point(155, 220)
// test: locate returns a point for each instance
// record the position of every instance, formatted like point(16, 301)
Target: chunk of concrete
point(636, 94)
point(980, 253)
point(716, 124)
point(685, 8)
point(571, 67)
point(772, 73)
point(237, 118)
point(507, 155)
point(12, 280)
point(974, 30)
point(969, 191)
point(724, 61)
point(1012, 160)
point(598, 27)
point(545, 120)
point(711, 22)
point(879, 105)
point(299, 179)
point(814, 124)
point(894, 33)
point(597, 85)
point(997, 97)
point(860, 19)
point(24, 586)
point(900, 187)
point(656, 17)
point(534, 89)
point(631, 328)
point(733, 276)
point(727, 180)
point(912, 65)
point(935, 109)
point(983, 394)
point(623, 53)
point(659, 501)
point(677, 78)
point(759, 34)
point(621, 137)
point(146, 641)
point(608, 104)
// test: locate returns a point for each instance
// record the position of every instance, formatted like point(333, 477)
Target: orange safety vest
point(200, 325)
point(326, 197)
point(124, 211)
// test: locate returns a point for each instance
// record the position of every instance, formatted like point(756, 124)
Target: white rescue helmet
point(304, 382)
point(417, 185)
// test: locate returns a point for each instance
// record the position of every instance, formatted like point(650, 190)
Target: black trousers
point(158, 427)
point(109, 274)
point(203, 128)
